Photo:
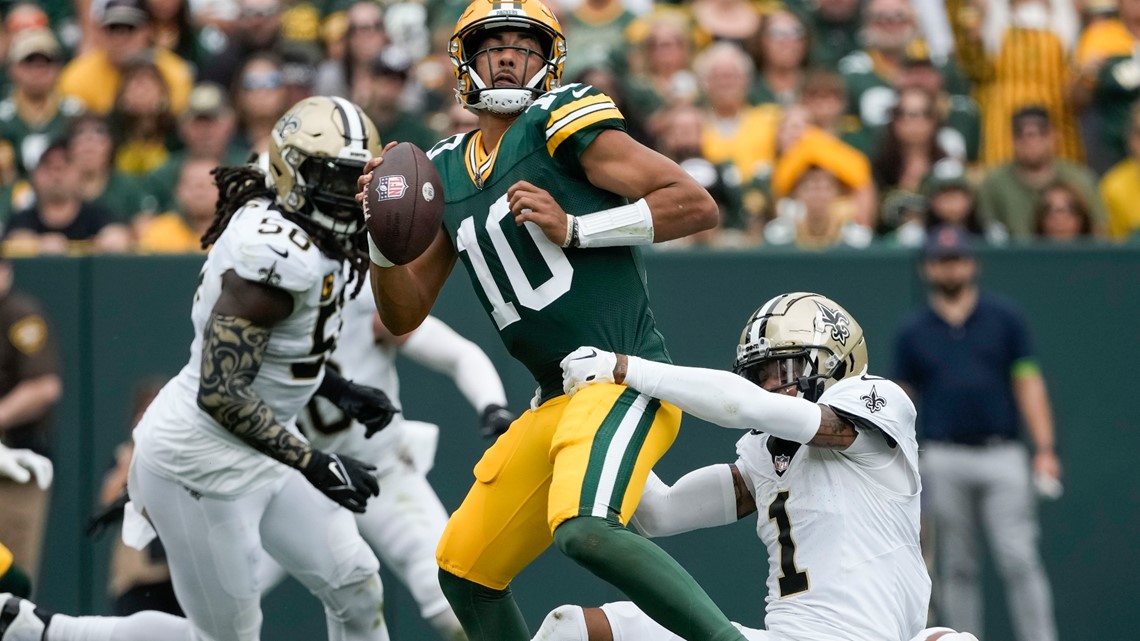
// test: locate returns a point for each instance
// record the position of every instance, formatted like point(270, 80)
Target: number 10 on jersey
point(502, 311)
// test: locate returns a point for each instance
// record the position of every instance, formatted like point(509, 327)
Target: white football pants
point(402, 526)
point(213, 547)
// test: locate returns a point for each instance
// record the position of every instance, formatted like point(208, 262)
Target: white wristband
point(378, 258)
point(626, 225)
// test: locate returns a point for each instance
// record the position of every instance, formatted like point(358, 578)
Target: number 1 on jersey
point(503, 312)
point(792, 580)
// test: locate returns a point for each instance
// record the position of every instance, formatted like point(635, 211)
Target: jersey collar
point(479, 163)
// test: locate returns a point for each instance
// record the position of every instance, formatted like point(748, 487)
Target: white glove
point(22, 465)
point(587, 366)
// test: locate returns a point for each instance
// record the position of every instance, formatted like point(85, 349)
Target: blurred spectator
point(733, 21)
point(968, 361)
point(908, 147)
point(1062, 214)
point(1120, 187)
point(460, 120)
point(260, 97)
point(181, 230)
point(257, 29)
point(825, 98)
point(835, 28)
point(351, 77)
point(1024, 64)
point(406, 24)
point(1011, 191)
point(735, 132)
point(141, 119)
point(34, 113)
point(802, 146)
point(30, 386)
point(680, 141)
point(595, 32)
point(961, 130)
point(206, 130)
point(872, 73)
point(389, 76)
point(94, 77)
point(605, 80)
point(174, 29)
point(661, 68)
point(779, 51)
point(60, 221)
point(98, 181)
point(816, 216)
point(298, 72)
point(1107, 83)
point(948, 198)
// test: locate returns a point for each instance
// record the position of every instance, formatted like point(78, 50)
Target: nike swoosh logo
point(281, 253)
point(864, 377)
point(592, 354)
point(578, 93)
point(336, 470)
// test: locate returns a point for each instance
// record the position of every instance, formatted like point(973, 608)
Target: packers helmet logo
point(391, 187)
point(836, 322)
point(873, 401)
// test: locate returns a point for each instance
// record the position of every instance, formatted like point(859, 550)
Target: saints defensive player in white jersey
point(404, 523)
point(219, 468)
point(831, 465)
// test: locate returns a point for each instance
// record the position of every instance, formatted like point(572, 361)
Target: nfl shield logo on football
point(391, 187)
point(781, 461)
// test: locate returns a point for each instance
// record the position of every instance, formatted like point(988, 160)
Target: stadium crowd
point(814, 124)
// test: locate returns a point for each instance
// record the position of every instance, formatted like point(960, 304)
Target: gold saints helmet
point(804, 339)
point(476, 88)
point(317, 150)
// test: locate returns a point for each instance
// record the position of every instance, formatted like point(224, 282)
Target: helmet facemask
point(478, 70)
point(791, 367)
point(329, 188)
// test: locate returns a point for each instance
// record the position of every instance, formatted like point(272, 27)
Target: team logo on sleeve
point(835, 322)
point(391, 187)
point(873, 401)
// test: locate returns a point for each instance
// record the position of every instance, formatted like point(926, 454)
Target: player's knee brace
point(564, 623)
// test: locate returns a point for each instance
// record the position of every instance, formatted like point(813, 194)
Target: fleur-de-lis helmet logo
point(836, 322)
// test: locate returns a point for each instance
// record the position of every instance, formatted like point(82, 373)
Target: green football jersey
point(545, 300)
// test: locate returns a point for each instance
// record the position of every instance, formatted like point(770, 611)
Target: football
point(403, 206)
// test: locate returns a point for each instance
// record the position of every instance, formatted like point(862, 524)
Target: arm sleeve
point(700, 499)
point(725, 399)
point(438, 347)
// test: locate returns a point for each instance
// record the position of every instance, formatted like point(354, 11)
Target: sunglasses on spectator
point(121, 27)
point(895, 18)
point(364, 27)
point(38, 59)
point(784, 33)
point(93, 130)
point(259, 12)
point(261, 80)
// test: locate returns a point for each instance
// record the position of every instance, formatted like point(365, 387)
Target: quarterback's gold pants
point(583, 456)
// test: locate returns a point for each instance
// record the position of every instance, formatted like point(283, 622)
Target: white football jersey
point(360, 359)
point(178, 440)
point(843, 551)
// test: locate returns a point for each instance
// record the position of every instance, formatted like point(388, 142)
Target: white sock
point(143, 626)
point(564, 623)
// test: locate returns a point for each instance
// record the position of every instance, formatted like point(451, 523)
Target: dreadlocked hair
point(239, 185)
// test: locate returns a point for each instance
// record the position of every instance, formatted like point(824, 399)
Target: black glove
point(343, 479)
point(495, 420)
point(108, 516)
point(370, 406)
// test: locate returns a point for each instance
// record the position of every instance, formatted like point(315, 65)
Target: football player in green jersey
point(546, 205)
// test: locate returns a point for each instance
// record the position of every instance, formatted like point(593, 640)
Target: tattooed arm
point(233, 346)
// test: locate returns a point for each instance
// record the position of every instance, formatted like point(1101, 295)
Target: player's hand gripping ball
point(403, 202)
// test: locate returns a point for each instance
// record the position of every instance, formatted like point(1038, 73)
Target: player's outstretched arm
point(233, 347)
point(437, 346)
point(712, 395)
point(707, 497)
point(678, 204)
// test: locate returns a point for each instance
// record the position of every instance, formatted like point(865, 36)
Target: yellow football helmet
point(476, 88)
point(807, 340)
point(316, 152)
